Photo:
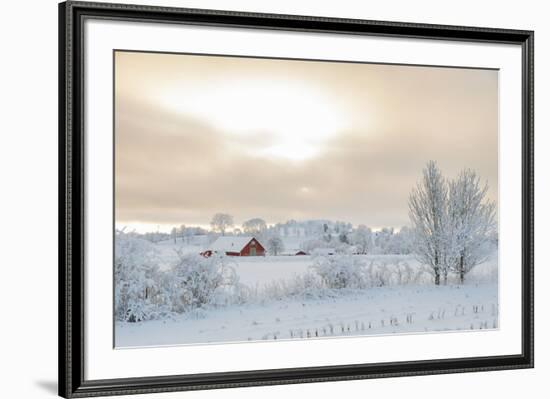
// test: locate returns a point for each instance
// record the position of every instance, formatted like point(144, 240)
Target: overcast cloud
point(281, 140)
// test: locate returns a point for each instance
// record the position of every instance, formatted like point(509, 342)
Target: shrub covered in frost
point(143, 292)
point(195, 281)
point(385, 271)
point(307, 285)
point(347, 271)
point(136, 280)
point(341, 271)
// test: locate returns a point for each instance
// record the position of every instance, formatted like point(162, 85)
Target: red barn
point(238, 246)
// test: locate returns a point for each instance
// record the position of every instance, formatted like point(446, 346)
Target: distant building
point(237, 246)
point(207, 253)
point(300, 253)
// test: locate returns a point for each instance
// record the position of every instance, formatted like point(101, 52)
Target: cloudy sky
point(282, 139)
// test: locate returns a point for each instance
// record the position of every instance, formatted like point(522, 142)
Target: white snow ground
point(385, 310)
point(256, 270)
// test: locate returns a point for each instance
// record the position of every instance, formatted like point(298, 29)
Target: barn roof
point(231, 244)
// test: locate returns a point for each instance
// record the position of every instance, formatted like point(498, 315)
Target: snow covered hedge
point(336, 275)
point(143, 292)
point(341, 271)
point(349, 271)
point(194, 283)
point(136, 279)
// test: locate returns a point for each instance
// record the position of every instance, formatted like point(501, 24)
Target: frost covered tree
point(472, 222)
point(427, 212)
point(180, 231)
point(221, 222)
point(402, 241)
point(454, 224)
point(383, 240)
point(255, 226)
point(343, 237)
point(174, 233)
point(313, 244)
point(275, 245)
point(362, 238)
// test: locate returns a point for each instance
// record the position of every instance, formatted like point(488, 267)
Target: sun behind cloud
point(298, 117)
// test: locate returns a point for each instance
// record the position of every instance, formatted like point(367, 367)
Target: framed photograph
point(255, 199)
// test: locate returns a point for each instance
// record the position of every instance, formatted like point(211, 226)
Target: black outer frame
point(72, 383)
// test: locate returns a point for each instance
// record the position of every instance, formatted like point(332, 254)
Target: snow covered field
point(259, 270)
point(419, 307)
point(384, 310)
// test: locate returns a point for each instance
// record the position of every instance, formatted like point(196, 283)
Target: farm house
point(238, 246)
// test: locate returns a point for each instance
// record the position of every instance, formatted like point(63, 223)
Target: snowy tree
point(174, 233)
point(186, 233)
point(313, 244)
point(402, 241)
point(254, 226)
point(391, 242)
point(383, 240)
point(180, 231)
point(454, 224)
point(362, 239)
point(472, 223)
point(427, 212)
point(221, 222)
point(275, 245)
point(343, 237)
